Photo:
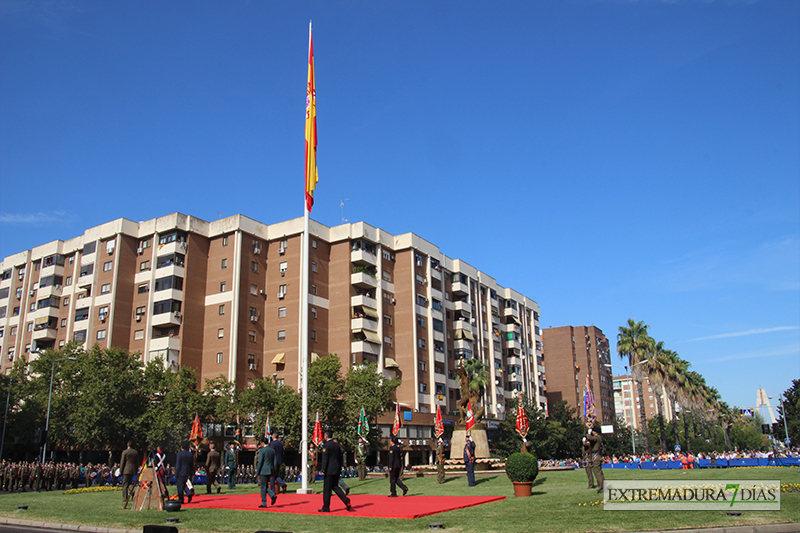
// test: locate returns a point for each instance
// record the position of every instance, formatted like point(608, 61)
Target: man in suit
point(233, 465)
point(184, 469)
point(469, 460)
point(396, 468)
point(213, 464)
point(265, 470)
point(596, 440)
point(277, 445)
point(587, 461)
point(331, 468)
point(129, 465)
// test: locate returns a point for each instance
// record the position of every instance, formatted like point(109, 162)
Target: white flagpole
point(304, 332)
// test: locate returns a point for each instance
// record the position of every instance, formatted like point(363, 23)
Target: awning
point(463, 334)
point(279, 359)
point(371, 336)
point(388, 362)
point(370, 312)
point(42, 320)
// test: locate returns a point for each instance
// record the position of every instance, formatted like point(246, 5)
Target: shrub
point(522, 467)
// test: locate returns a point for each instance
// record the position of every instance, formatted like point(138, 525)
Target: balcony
point(463, 308)
point(514, 361)
point(170, 270)
point(365, 323)
point(165, 343)
point(364, 301)
point(166, 319)
point(363, 257)
point(512, 344)
point(46, 332)
point(172, 247)
point(463, 333)
point(50, 290)
point(439, 357)
point(364, 281)
point(458, 288)
point(168, 294)
point(362, 346)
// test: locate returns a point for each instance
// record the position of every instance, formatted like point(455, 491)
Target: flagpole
point(304, 327)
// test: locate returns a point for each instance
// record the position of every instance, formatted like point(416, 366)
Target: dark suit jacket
point(266, 462)
point(213, 462)
point(278, 447)
point(184, 464)
point(395, 457)
point(130, 462)
point(331, 463)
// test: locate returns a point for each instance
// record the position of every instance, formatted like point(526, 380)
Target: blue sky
point(610, 159)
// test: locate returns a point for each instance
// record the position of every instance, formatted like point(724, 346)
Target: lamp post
point(633, 402)
point(49, 397)
point(786, 440)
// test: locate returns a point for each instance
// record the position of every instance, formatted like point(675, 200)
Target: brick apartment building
point(223, 297)
point(572, 354)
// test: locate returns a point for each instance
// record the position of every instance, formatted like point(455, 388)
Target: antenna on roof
point(342, 206)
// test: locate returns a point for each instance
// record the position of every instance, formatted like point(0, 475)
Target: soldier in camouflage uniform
point(74, 475)
point(23, 474)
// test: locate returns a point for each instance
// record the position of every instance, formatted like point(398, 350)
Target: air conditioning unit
point(103, 318)
point(281, 295)
point(283, 273)
point(31, 292)
point(140, 250)
point(394, 301)
point(177, 314)
point(281, 251)
point(138, 318)
point(257, 250)
point(253, 318)
point(261, 292)
point(253, 366)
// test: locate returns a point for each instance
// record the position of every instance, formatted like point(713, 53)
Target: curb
point(70, 527)
point(785, 527)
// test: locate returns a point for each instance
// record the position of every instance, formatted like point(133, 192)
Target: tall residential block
point(572, 354)
point(223, 297)
point(628, 402)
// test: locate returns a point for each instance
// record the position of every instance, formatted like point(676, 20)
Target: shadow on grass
point(539, 481)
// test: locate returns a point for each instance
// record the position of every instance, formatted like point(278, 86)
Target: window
point(438, 325)
point(33, 306)
point(63, 322)
point(387, 276)
point(225, 240)
point(282, 335)
point(174, 259)
point(223, 286)
point(89, 247)
point(253, 314)
point(101, 334)
point(224, 264)
point(81, 314)
point(313, 312)
point(140, 311)
point(254, 266)
point(222, 309)
point(169, 282)
point(144, 265)
point(138, 335)
point(221, 333)
point(387, 341)
point(107, 266)
point(313, 266)
point(251, 336)
point(143, 288)
point(314, 289)
point(79, 336)
point(2, 330)
point(253, 289)
point(284, 266)
point(421, 300)
point(166, 306)
point(13, 331)
point(256, 246)
point(105, 289)
point(423, 366)
point(423, 388)
point(30, 327)
point(281, 291)
point(15, 311)
point(102, 313)
point(436, 305)
point(421, 321)
point(281, 312)
point(87, 270)
point(284, 245)
point(219, 358)
point(314, 335)
point(314, 243)
point(68, 281)
point(144, 244)
point(421, 343)
point(387, 319)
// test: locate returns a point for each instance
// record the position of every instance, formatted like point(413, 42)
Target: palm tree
point(676, 370)
point(635, 344)
point(658, 368)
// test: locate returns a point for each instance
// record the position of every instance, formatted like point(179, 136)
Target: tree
point(366, 387)
point(569, 443)
point(791, 405)
point(635, 346)
point(544, 435)
point(173, 399)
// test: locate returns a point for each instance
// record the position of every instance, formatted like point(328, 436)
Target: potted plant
point(522, 469)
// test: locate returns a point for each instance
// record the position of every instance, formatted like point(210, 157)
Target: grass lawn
point(560, 503)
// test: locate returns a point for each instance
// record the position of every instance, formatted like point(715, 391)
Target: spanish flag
point(311, 127)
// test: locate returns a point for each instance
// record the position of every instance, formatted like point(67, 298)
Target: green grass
point(556, 506)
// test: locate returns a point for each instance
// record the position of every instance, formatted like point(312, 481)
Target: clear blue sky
point(610, 159)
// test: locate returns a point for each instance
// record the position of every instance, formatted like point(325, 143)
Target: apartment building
point(223, 297)
point(627, 401)
point(572, 354)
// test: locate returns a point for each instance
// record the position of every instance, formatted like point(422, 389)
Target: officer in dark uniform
point(587, 461)
point(331, 469)
point(469, 460)
point(596, 441)
point(396, 468)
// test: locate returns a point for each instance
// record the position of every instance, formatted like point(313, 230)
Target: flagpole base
point(478, 433)
point(305, 491)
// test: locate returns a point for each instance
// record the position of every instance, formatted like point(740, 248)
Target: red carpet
point(363, 504)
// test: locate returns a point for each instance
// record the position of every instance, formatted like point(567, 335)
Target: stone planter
point(522, 490)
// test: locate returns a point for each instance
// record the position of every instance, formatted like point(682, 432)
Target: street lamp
point(633, 402)
point(49, 397)
point(786, 441)
point(5, 417)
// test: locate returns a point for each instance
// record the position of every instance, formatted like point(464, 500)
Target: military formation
point(33, 476)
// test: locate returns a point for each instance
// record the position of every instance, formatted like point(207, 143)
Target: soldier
point(213, 463)
point(362, 468)
point(396, 468)
point(36, 477)
point(232, 463)
point(24, 474)
point(596, 440)
point(74, 476)
point(587, 461)
point(440, 460)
